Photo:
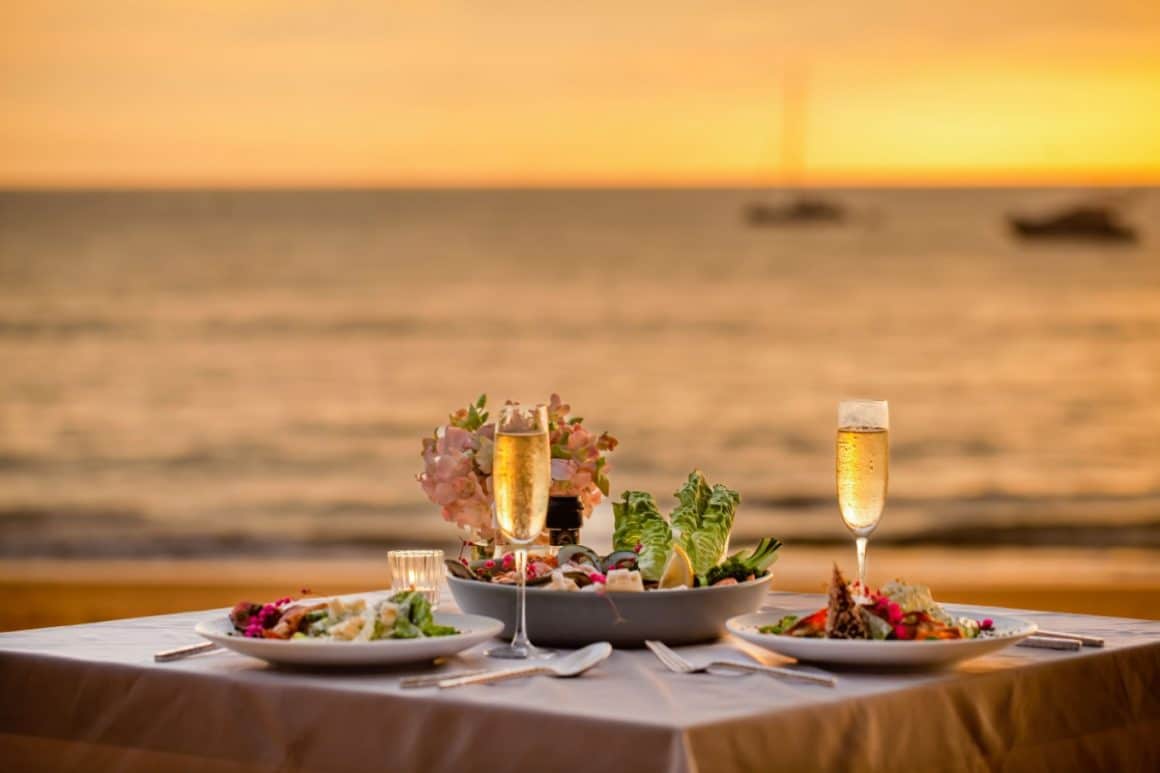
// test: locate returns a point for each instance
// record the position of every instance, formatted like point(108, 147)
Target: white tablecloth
point(90, 697)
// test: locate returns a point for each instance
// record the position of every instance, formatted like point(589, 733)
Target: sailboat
point(1095, 220)
point(798, 207)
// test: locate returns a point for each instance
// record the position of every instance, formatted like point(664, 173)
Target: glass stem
point(520, 640)
point(860, 542)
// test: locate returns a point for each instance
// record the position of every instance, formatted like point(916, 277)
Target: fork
point(675, 662)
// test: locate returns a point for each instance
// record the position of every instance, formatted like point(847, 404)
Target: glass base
point(520, 652)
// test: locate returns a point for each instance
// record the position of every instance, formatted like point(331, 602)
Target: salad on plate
point(404, 615)
point(898, 611)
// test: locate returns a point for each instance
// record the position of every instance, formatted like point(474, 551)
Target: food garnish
point(843, 620)
point(678, 571)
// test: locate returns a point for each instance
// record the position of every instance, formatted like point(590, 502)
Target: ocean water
point(218, 373)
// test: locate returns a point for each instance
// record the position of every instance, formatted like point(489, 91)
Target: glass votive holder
point(420, 570)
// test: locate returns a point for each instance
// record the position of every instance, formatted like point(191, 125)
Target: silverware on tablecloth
point(570, 665)
point(432, 680)
point(166, 656)
point(1084, 639)
point(675, 662)
point(1050, 643)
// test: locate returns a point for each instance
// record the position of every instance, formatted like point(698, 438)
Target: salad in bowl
point(667, 578)
point(650, 552)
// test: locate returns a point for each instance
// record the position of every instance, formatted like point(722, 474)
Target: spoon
point(570, 665)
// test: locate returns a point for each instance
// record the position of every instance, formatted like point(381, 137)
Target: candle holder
point(419, 570)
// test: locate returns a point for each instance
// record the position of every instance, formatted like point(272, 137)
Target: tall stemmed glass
point(521, 479)
point(863, 469)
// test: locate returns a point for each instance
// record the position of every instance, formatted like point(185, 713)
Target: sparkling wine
point(862, 472)
point(522, 477)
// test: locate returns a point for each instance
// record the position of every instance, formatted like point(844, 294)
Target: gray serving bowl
point(575, 618)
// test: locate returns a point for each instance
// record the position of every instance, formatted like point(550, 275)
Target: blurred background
point(251, 253)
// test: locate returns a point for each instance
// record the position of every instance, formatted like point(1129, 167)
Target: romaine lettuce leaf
point(701, 521)
point(705, 533)
point(415, 617)
point(691, 500)
point(638, 521)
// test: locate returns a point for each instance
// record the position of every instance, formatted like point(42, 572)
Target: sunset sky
point(515, 92)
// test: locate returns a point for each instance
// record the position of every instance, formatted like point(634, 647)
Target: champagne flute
point(521, 480)
point(863, 469)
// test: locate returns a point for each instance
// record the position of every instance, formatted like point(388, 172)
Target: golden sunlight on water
point(250, 374)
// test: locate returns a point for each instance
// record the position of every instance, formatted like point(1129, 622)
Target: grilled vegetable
point(742, 569)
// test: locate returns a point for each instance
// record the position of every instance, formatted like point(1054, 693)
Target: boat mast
point(793, 127)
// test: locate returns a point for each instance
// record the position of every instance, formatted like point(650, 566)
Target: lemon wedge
point(678, 570)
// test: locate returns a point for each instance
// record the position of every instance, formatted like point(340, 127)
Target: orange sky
point(507, 92)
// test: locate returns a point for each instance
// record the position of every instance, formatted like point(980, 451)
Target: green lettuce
point(691, 501)
point(704, 519)
point(740, 567)
point(781, 626)
point(639, 522)
point(415, 618)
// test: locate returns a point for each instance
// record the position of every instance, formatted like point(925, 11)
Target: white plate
point(860, 652)
point(315, 652)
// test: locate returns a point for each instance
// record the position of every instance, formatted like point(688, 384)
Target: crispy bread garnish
point(842, 618)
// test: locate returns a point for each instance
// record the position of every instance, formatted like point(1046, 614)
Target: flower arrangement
point(457, 461)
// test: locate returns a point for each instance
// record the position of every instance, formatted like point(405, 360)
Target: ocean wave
point(365, 527)
point(388, 327)
point(227, 460)
point(61, 328)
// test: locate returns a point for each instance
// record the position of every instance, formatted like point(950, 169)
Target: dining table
point(91, 697)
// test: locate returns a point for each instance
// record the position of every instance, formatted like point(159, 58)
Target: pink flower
point(451, 480)
point(557, 409)
point(563, 469)
point(458, 460)
point(579, 468)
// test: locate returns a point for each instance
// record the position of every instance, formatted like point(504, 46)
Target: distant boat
point(1089, 222)
point(801, 209)
point(798, 207)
